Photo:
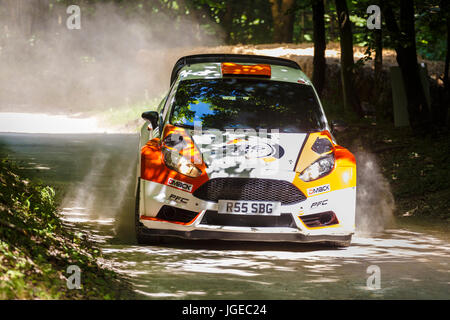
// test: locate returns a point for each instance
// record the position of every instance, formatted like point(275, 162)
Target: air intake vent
point(169, 213)
point(322, 219)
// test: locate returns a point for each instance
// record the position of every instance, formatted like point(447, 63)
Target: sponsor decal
point(250, 148)
point(264, 150)
point(318, 190)
point(319, 203)
point(179, 185)
point(178, 199)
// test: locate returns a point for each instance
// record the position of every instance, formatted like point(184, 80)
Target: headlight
point(181, 164)
point(175, 141)
point(318, 169)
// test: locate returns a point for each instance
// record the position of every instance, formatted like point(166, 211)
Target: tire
point(142, 236)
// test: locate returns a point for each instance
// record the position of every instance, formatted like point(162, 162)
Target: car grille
point(236, 220)
point(250, 189)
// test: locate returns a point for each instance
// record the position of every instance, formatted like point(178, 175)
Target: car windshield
point(248, 104)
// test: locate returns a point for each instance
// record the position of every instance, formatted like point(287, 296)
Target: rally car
point(240, 149)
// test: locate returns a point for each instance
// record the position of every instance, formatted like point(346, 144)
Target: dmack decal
point(179, 185)
point(318, 190)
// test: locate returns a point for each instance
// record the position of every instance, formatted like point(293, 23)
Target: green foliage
point(251, 22)
point(416, 167)
point(239, 21)
point(36, 248)
point(419, 173)
point(431, 31)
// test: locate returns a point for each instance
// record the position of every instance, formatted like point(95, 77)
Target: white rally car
point(240, 149)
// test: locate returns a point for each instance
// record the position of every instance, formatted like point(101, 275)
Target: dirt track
point(96, 173)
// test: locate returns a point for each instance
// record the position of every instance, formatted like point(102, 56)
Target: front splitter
point(246, 236)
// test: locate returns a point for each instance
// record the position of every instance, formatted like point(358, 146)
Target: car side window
point(161, 105)
point(156, 131)
point(168, 103)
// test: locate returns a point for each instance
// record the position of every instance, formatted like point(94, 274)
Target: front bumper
point(246, 236)
point(155, 196)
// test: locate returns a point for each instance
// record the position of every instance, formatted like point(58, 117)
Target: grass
point(36, 248)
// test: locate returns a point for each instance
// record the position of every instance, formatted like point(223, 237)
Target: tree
point(319, 62)
point(404, 37)
point(228, 20)
point(378, 43)
point(445, 7)
point(351, 100)
point(283, 20)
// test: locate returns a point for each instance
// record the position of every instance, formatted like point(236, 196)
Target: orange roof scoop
point(256, 70)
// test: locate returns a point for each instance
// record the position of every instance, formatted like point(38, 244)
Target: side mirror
point(338, 126)
point(152, 117)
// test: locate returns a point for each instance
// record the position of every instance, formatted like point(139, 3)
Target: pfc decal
point(178, 199)
point(318, 190)
point(179, 185)
point(319, 203)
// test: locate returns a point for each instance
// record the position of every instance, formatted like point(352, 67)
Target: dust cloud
point(374, 201)
point(103, 195)
point(116, 59)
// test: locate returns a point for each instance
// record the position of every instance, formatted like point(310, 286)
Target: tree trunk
point(39, 15)
point(302, 24)
point(445, 7)
point(378, 63)
point(289, 20)
point(332, 33)
point(405, 39)
point(445, 102)
point(228, 21)
point(447, 59)
point(319, 62)
point(18, 22)
point(378, 41)
point(351, 100)
point(283, 20)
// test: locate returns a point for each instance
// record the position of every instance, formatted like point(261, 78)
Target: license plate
point(250, 207)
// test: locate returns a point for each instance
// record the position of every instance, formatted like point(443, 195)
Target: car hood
point(230, 154)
